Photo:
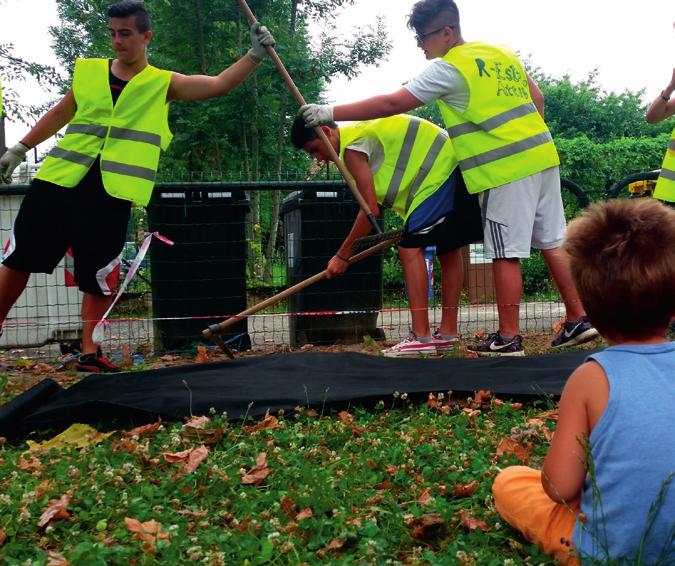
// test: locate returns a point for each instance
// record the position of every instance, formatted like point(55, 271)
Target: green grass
point(367, 478)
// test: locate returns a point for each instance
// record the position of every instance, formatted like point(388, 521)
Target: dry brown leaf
point(43, 487)
point(56, 559)
point(511, 447)
point(433, 402)
point(190, 458)
point(29, 464)
point(149, 532)
point(470, 522)
point(425, 526)
point(202, 355)
point(384, 484)
point(145, 429)
point(203, 435)
point(3, 537)
point(127, 361)
point(197, 422)
point(346, 417)
point(41, 369)
point(287, 506)
point(335, 544)
point(193, 514)
point(306, 513)
point(258, 473)
point(357, 431)
point(424, 496)
point(480, 398)
point(375, 499)
point(169, 358)
point(471, 413)
point(459, 490)
point(56, 510)
point(471, 355)
point(268, 422)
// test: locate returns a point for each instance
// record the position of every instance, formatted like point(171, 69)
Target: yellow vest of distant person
point(128, 137)
point(665, 185)
point(500, 137)
point(418, 158)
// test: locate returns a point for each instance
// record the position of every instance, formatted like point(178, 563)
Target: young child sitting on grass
point(606, 493)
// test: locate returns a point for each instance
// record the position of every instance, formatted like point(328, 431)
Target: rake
point(319, 132)
point(213, 331)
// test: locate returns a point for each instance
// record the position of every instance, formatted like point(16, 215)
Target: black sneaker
point(575, 332)
point(495, 345)
point(96, 363)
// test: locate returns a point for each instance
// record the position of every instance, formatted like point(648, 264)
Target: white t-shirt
point(440, 80)
point(373, 150)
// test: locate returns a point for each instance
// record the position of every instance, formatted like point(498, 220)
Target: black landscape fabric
point(253, 385)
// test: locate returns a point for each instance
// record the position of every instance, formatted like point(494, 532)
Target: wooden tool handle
point(217, 328)
point(331, 150)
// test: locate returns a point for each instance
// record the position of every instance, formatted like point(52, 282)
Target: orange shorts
point(522, 502)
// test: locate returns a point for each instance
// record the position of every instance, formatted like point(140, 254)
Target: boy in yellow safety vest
point(661, 108)
point(116, 112)
point(408, 165)
point(494, 115)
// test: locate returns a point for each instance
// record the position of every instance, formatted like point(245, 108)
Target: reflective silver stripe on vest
point(667, 174)
point(505, 151)
point(427, 164)
point(128, 170)
point(671, 145)
point(135, 135)
point(74, 156)
point(89, 129)
point(494, 122)
point(402, 162)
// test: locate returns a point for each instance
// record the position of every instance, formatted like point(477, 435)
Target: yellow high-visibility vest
point(418, 158)
point(500, 137)
point(665, 185)
point(129, 136)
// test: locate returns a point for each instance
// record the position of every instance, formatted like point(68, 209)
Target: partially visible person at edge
point(606, 494)
point(494, 114)
point(116, 111)
point(419, 180)
point(663, 107)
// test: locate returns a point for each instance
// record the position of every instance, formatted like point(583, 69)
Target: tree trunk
point(200, 37)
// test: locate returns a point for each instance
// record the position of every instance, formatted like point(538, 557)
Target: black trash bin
point(315, 225)
point(201, 279)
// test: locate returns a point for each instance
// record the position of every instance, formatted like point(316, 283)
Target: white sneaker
point(444, 342)
point(411, 346)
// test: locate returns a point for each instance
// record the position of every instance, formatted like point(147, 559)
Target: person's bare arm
point(662, 107)
point(378, 106)
point(566, 464)
point(200, 87)
point(357, 163)
point(55, 119)
point(536, 94)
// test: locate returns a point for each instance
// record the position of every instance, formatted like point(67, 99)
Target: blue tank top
point(633, 456)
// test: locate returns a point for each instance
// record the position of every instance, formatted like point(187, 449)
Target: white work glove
point(316, 114)
point(10, 160)
point(260, 39)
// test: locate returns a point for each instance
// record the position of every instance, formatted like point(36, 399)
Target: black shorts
point(461, 226)
point(85, 218)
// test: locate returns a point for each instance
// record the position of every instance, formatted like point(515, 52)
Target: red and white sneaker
point(411, 347)
point(444, 342)
point(96, 363)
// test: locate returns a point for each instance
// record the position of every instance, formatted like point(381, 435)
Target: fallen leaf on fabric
point(56, 510)
point(511, 447)
point(150, 532)
point(304, 514)
point(190, 458)
point(459, 490)
point(145, 429)
point(470, 522)
point(258, 473)
point(75, 436)
point(425, 526)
